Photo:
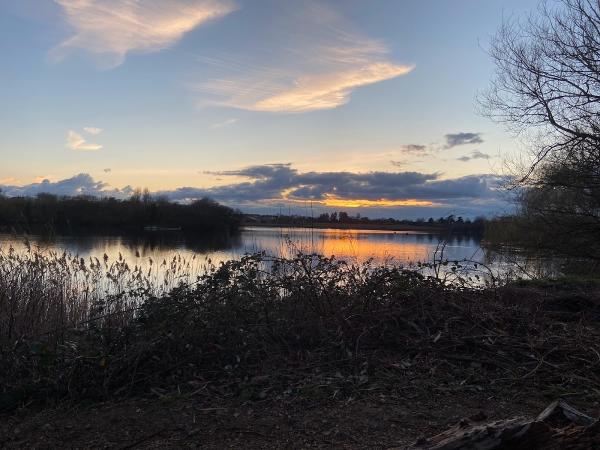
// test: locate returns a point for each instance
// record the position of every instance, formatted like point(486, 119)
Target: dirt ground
point(376, 420)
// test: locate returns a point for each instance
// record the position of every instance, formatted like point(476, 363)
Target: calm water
point(356, 246)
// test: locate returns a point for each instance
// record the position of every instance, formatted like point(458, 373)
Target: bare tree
point(547, 85)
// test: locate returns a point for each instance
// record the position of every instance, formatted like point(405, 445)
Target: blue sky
point(333, 102)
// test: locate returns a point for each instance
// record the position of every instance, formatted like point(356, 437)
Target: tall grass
point(45, 292)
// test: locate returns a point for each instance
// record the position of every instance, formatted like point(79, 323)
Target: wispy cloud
point(456, 139)
point(474, 155)
point(224, 123)
point(316, 62)
point(479, 155)
point(76, 141)
point(327, 91)
point(93, 130)
point(110, 29)
point(415, 149)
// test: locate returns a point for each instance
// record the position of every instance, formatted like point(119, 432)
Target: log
point(559, 426)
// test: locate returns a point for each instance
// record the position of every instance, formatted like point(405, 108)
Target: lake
point(355, 246)
point(170, 257)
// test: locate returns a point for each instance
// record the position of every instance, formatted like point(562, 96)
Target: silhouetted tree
point(547, 85)
point(343, 217)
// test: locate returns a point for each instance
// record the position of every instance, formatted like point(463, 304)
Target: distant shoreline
point(349, 226)
point(426, 229)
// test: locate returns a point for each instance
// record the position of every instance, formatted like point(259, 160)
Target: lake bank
point(403, 368)
point(426, 229)
point(315, 336)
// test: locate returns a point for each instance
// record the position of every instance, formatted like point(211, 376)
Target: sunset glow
point(364, 203)
point(260, 105)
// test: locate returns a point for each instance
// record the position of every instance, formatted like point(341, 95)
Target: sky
point(364, 106)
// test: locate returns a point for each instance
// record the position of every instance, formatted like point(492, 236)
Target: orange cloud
point(320, 60)
point(361, 203)
point(311, 93)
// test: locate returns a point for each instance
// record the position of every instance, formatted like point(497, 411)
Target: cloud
point(416, 149)
point(456, 139)
point(224, 123)
point(93, 130)
point(75, 141)
point(316, 60)
point(81, 184)
point(41, 178)
point(277, 183)
point(328, 91)
point(110, 29)
point(479, 155)
point(303, 93)
point(474, 155)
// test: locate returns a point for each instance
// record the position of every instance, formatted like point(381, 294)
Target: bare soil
point(377, 419)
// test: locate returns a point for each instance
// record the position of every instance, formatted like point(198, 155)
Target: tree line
point(452, 223)
point(141, 211)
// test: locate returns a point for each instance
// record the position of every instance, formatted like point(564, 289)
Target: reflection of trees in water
point(206, 243)
point(397, 248)
point(150, 244)
point(400, 248)
point(517, 263)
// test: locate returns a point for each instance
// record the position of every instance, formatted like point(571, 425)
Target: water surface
point(355, 246)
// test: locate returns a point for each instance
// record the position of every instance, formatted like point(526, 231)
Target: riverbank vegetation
point(142, 211)
point(262, 327)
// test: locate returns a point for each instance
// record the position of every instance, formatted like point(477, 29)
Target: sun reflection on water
point(356, 246)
